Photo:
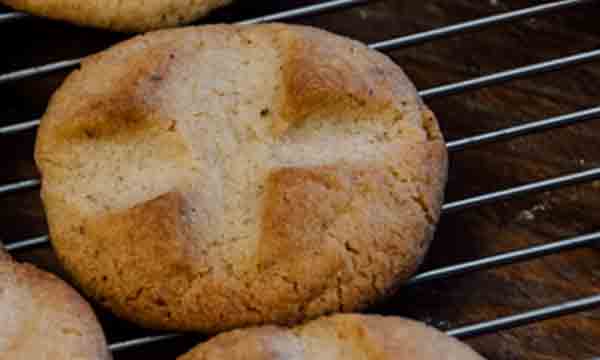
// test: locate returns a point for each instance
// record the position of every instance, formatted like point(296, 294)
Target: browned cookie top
point(41, 317)
point(212, 177)
point(126, 15)
point(339, 337)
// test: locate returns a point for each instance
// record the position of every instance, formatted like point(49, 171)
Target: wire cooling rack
point(507, 258)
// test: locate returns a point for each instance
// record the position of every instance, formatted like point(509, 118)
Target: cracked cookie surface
point(338, 337)
point(208, 178)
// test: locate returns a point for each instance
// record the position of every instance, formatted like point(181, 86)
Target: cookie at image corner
point(44, 318)
point(123, 16)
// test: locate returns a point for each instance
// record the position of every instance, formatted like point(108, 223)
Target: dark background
point(462, 236)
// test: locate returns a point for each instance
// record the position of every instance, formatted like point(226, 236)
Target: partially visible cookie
point(43, 318)
point(128, 15)
point(338, 337)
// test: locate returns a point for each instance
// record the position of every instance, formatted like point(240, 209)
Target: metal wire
point(304, 11)
point(12, 16)
point(20, 185)
point(504, 76)
point(382, 45)
point(534, 187)
point(146, 340)
point(511, 257)
point(28, 243)
point(525, 129)
point(476, 24)
point(38, 70)
point(11, 129)
point(284, 15)
point(528, 317)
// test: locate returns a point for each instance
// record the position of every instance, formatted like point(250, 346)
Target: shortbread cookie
point(41, 317)
point(340, 337)
point(213, 177)
point(126, 15)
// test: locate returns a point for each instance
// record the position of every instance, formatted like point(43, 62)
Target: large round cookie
point(126, 15)
point(213, 177)
point(339, 337)
point(41, 317)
